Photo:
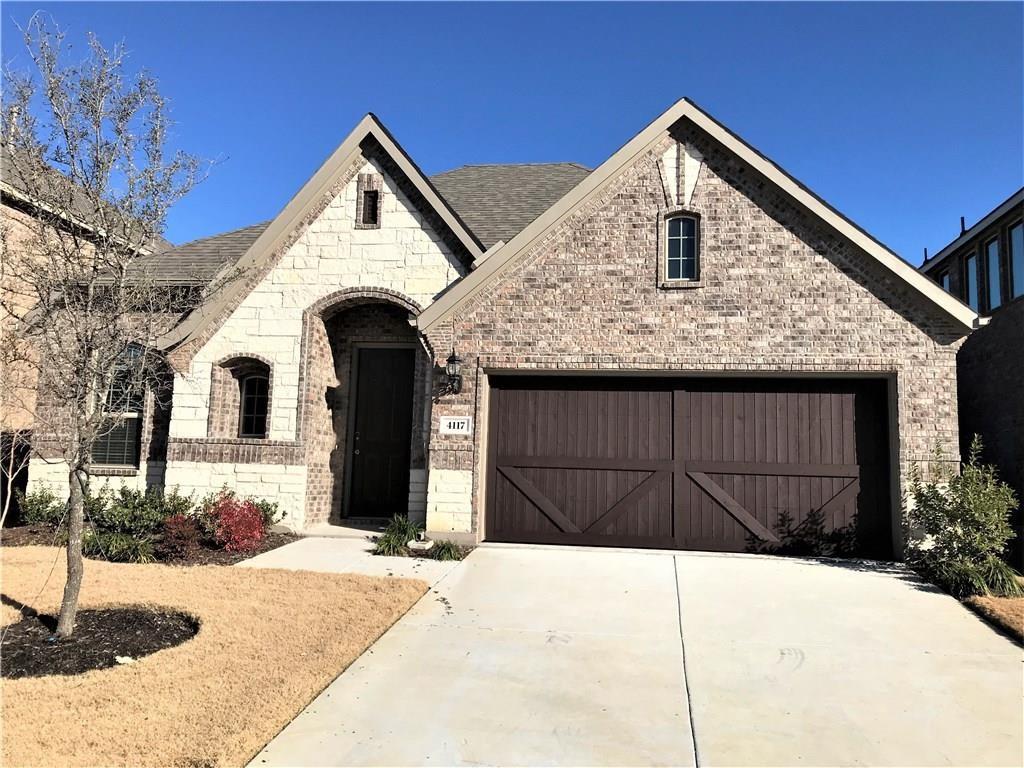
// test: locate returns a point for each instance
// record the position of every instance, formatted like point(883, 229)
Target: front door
point(382, 431)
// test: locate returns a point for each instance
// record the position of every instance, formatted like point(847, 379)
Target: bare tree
point(85, 151)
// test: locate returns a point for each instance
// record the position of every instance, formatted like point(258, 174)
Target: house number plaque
point(456, 425)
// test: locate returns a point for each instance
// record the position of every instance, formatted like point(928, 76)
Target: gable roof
point(498, 201)
point(207, 318)
point(492, 268)
point(1016, 200)
point(198, 262)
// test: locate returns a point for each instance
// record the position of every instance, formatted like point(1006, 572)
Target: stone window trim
point(224, 418)
point(664, 216)
point(368, 184)
point(112, 470)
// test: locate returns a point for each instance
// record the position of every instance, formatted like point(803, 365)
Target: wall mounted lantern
point(453, 369)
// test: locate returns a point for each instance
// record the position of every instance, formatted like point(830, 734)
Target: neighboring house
point(984, 266)
point(681, 348)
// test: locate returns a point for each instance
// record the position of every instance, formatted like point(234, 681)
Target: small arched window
point(682, 254)
point(254, 389)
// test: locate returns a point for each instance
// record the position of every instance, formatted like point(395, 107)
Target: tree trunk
point(78, 479)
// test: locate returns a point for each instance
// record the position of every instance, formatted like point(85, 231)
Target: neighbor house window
point(944, 281)
point(971, 280)
point(682, 254)
point(120, 438)
point(993, 273)
point(254, 397)
point(1017, 259)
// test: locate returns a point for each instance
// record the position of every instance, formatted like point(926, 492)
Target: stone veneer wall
point(780, 293)
point(407, 261)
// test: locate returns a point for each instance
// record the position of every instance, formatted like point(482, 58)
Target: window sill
point(111, 471)
point(677, 284)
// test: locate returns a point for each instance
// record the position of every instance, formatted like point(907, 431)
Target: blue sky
point(903, 116)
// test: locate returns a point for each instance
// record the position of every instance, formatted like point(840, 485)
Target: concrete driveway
point(558, 656)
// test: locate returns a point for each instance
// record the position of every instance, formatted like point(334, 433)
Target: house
point(683, 347)
point(984, 266)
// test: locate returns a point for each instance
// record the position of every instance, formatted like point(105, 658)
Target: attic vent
point(371, 198)
point(368, 191)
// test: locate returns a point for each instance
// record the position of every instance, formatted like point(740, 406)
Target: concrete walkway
point(556, 656)
point(347, 555)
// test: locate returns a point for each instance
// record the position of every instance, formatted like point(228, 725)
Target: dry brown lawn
point(1005, 612)
point(269, 642)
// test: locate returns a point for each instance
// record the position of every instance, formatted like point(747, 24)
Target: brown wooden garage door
point(793, 466)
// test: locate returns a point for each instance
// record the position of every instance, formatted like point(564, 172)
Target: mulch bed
point(209, 556)
point(101, 636)
point(29, 535)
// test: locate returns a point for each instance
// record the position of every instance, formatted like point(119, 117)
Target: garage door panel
point(798, 456)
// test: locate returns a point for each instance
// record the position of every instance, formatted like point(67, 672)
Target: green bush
point(118, 547)
point(131, 511)
point(447, 550)
point(403, 529)
point(389, 545)
point(959, 527)
point(396, 537)
point(42, 506)
point(125, 524)
point(269, 511)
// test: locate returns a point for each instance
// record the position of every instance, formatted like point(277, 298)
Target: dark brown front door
point(382, 430)
point(714, 464)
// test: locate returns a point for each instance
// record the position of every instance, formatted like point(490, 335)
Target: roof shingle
point(498, 201)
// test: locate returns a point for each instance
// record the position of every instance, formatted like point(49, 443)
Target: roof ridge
point(572, 163)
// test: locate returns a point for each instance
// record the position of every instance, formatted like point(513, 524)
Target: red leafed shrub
point(237, 524)
point(181, 535)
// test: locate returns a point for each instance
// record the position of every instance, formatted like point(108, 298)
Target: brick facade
point(779, 293)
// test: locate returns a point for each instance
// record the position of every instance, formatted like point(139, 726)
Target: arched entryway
point(366, 436)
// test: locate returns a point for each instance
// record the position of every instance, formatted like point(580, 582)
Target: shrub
point(117, 547)
point(447, 550)
point(403, 529)
point(42, 506)
point(134, 512)
point(959, 529)
point(389, 545)
point(237, 524)
point(180, 536)
point(176, 504)
point(269, 511)
point(396, 536)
